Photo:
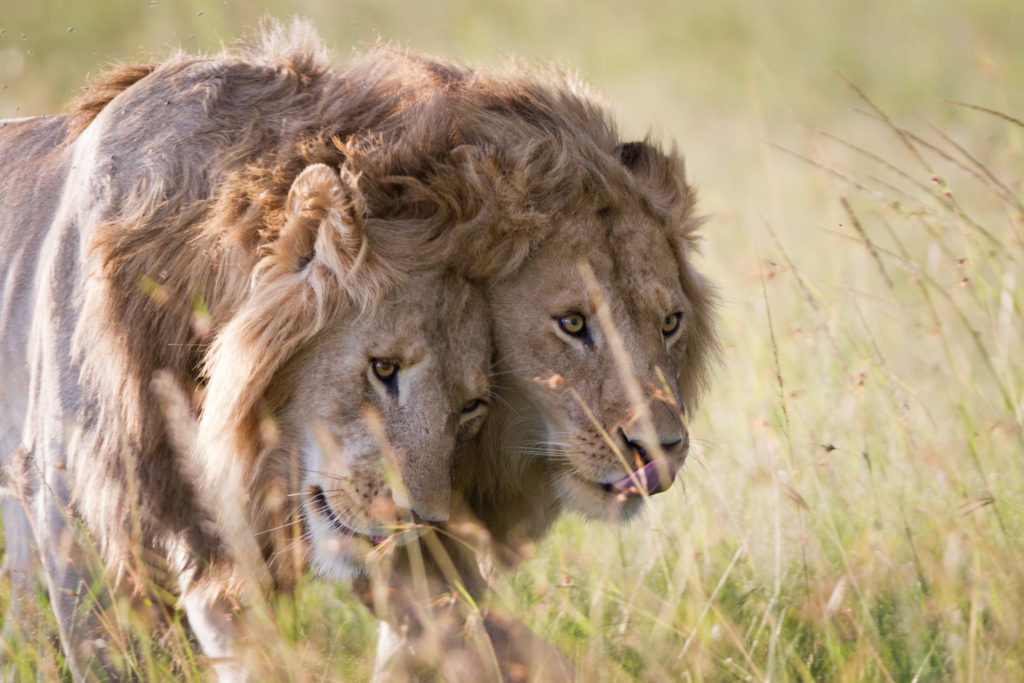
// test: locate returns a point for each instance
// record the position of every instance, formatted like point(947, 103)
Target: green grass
point(854, 509)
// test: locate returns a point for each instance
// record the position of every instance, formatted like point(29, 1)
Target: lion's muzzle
point(656, 465)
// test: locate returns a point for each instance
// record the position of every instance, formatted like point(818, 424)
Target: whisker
point(495, 396)
point(279, 527)
point(319, 472)
point(287, 549)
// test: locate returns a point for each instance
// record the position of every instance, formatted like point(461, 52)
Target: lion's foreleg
point(489, 645)
point(519, 651)
point(390, 646)
point(440, 632)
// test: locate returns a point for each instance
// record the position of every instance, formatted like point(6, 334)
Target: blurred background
point(721, 78)
point(854, 508)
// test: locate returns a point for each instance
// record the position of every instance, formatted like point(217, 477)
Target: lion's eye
point(670, 323)
point(473, 406)
point(471, 413)
point(573, 324)
point(384, 369)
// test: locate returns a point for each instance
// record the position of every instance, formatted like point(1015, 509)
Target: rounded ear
point(631, 154)
point(649, 163)
point(324, 217)
point(663, 178)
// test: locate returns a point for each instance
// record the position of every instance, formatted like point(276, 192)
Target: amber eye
point(384, 369)
point(670, 323)
point(573, 324)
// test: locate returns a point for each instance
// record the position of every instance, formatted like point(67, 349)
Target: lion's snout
point(655, 445)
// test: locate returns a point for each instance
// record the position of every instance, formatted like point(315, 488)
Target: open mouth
point(321, 506)
point(652, 478)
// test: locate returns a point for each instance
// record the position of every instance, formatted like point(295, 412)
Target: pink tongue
point(654, 476)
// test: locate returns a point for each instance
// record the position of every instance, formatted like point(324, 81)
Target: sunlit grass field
point(854, 506)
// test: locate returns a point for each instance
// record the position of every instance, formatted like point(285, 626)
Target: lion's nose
point(669, 448)
point(423, 506)
point(425, 494)
point(667, 428)
point(655, 466)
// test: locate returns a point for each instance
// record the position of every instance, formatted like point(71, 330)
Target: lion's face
point(557, 356)
point(380, 404)
point(340, 389)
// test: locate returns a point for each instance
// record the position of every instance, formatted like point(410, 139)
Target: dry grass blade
point(867, 241)
point(993, 112)
point(907, 143)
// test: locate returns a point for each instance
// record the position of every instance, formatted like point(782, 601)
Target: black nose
point(636, 447)
point(671, 446)
point(642, 452)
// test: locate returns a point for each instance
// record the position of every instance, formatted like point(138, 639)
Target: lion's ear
point(325, 213)
point(661, 175)
point(649, 163)
point(634, 155)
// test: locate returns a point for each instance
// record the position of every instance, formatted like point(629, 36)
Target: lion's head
point(604, 329)
point(370, 378)
point(380, 405)
point(603, 337)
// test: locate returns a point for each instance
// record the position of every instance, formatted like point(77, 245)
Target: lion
point(584, 244)
point(605, 338)
point(224, 336)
